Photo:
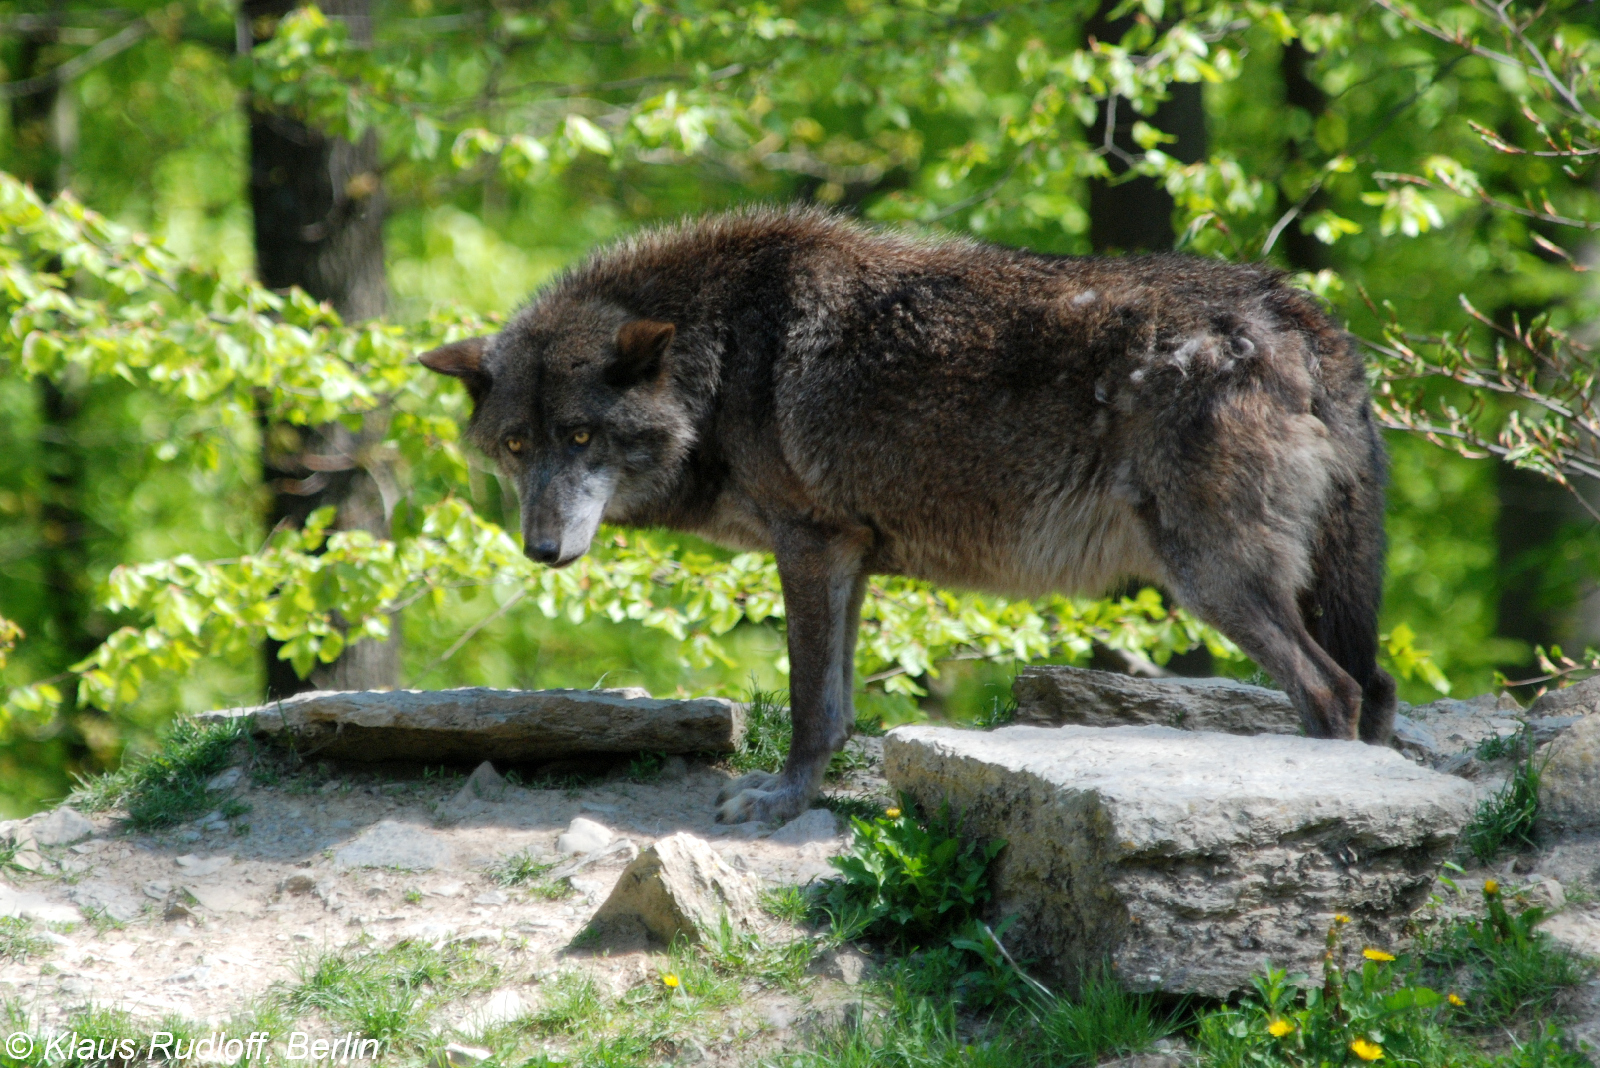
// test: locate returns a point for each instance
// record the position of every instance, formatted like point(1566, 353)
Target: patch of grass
point(788, 903)
point(1002, 710)
point(1103, 1020)
point(745, 953)
point(1507, 818)
point(19, 941)
point(1496, 746)
point(1514, 971)
point(766, 733)
point(520, 869)
point(571, 1001)
point(387, 994)
point(647, 767)
point(167, 786)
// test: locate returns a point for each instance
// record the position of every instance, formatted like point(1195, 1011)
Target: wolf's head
point(576, 403)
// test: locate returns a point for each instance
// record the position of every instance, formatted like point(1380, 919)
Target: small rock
point(503, 1007)
point(189, 834)
point(199, 867)
point(444, 890)
point(813, 825)
point(483, 784)
point(679, 886)
point(1569, 788)
point(1578, 932)
point(583, 836)
point(222, 899)
point(491, 898)
point(98, 896)
point(179, 910)
point(1414, 740)
point(1544, 892)
point(157, 891)
point(779, 1015)
point(479, 936)
point(456, 1055)
point(845, 963)
point(225, 780)
point(388, 844)
point(62, 827)
point(35, 907)
point(298, 883)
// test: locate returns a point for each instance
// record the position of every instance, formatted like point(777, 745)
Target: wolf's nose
point(545, 552)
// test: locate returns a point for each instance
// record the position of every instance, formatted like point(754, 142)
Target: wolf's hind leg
point(1266, 623)
point(823, 585)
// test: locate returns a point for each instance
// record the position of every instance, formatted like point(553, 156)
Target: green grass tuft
point(167, 786)
point(19, 940)
point(1507, 818)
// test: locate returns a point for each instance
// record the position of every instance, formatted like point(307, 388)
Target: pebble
point(583, 836)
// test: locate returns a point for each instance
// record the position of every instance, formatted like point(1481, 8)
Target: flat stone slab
point(1187, 859)
point(477, 723)
point(1055, 696)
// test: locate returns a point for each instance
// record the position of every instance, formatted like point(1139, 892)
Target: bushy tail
point(1341, 608)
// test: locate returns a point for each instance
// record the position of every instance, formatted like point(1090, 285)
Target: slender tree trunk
point(1303, 251)
point(1135, 215)
point(44, 126)
point(319, 207)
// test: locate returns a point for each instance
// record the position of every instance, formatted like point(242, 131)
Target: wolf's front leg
point(823, 583)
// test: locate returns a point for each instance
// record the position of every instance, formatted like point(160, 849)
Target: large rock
point(679, 886)
point(1569, 786)
point(1188, 859)
point(1058, 696)
point(1581, 699)
point(508, 725)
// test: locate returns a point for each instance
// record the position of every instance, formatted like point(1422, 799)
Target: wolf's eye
point(513, 444)
point(581, 438)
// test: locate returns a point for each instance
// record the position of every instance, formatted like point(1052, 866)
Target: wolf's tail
point(1341, 607)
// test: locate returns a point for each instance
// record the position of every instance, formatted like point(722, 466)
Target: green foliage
point(169, 785)
point(1514, 970)
point(787, 903)
point(1353, 1015)
point(1102, 1021)
point(908, 881)
point(387, 994)
point(766, 734)
point(19, 940)
point(1507, 818)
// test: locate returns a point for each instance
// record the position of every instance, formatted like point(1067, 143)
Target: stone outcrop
point(1569, 785)
point(468, 725)
point(679, 886)
point(1058, 696)
point(1188, 859)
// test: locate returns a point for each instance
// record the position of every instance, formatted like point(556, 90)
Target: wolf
point(861, 402)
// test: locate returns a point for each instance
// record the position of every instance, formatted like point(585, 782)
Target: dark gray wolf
point(860, 402)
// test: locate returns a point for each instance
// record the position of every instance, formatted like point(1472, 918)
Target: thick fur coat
point(859, 402)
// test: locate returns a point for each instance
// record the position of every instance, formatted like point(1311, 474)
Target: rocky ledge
point(1188, 859)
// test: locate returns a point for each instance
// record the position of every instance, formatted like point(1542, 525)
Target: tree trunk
point(1303, 251)
point(1135, 215)
point(319, 206)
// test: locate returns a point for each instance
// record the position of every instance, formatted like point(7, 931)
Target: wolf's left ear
point(463, 360)
point(641, 347)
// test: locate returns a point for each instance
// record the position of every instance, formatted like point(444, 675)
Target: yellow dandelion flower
point(1367, 1051)
point(1339, 917)
point(1491, 886)
point(1457, 1000)
point(1377, 954)
point(1279, 1028)
point(892, 813)
point(669, 981)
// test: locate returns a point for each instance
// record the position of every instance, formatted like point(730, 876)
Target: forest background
point(217, 486)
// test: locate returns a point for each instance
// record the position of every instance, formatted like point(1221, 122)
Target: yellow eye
point(513, 444)
point(581, 438)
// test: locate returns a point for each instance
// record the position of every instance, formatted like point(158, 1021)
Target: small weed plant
point(19, 940)
point(767, 734)
point(1507, 818)
point(1513, 970)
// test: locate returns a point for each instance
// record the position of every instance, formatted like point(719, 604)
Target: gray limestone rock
point(63, 826)
point(510, 725)
point(583, 836)
point(97, 896)
point(1056, 696)
point(1580, 699)
point(1569, 787)
point(483, 784)
point(35, 907)
point(812, 825)
point(1189, 859)
point(680, 885)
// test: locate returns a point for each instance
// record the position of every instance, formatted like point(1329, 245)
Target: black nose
point(545, 552)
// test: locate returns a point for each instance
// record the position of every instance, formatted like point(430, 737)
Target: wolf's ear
point(461, 359)
point(641, 345)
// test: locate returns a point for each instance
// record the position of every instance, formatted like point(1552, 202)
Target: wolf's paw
point(755, 780)
point(777, 805)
